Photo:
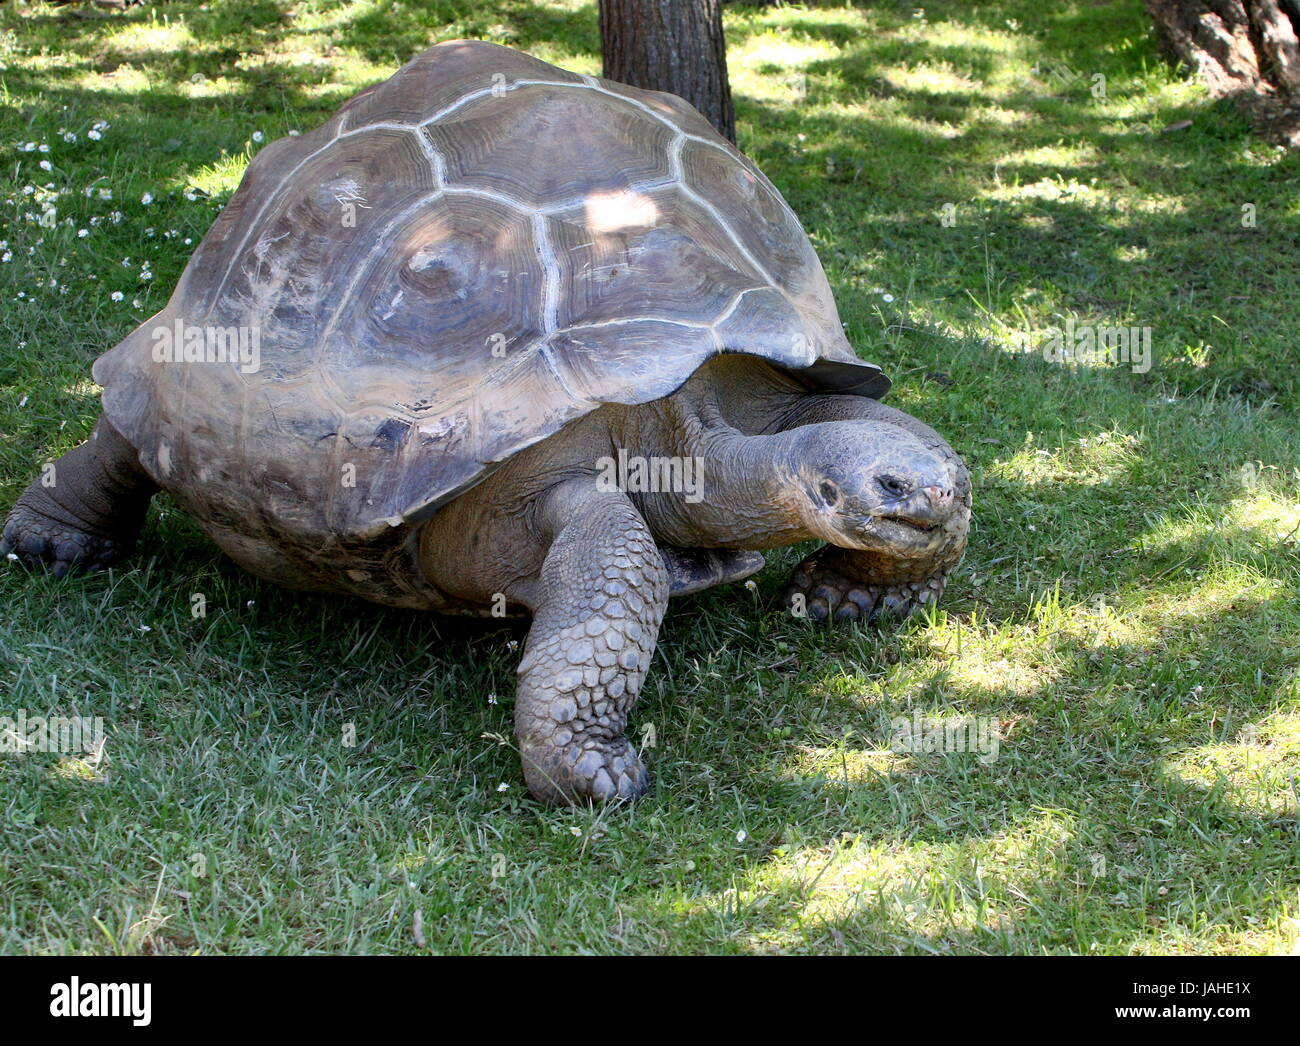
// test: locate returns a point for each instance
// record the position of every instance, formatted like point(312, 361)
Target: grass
point(1127, 610)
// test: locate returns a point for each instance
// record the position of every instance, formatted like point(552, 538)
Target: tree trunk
point(671, 45)
point(1246, 49)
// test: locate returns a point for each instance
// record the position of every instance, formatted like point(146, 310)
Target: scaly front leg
point(600, 598)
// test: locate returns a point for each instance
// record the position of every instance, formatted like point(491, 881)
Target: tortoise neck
point(736, 490)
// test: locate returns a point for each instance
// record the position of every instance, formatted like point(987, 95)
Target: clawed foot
point(820, 592)
point(584, 770)
point(36, 539)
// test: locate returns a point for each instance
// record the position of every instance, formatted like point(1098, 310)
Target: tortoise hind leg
point(692, 570)
point(601, 595)
point(85, 511)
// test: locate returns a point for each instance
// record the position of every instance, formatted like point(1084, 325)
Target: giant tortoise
point(499, 338)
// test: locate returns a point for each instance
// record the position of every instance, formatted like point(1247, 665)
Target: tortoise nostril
point(940, 497)
point(830, 493)
point(892, 486)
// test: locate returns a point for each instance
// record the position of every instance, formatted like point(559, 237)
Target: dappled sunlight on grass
point(888, 892)
point(1255, 771)
point(769, 53)
point(217, 179)
point(124, 79)
point(1267, 515)
point(1255, 522)
point(924, 78)
point(990, 659)
point(87, 769)
point(1061, 154)
point(141, 42)
point(1106, 457)
point(847, 766)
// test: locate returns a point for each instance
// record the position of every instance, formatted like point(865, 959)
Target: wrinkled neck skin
point(763, 447)
point(748, 486)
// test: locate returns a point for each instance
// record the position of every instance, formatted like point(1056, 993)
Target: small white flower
point(741, 836)
point(69, 137)
point(82, 233)
point(887, 297)
point(94, 135)
point(105, 194)
point(12, 557)
point(147, 199)
point(7, 256)
point(752, 585)
point(43, 148)
point(503, 787)
point(294, 133)
point(46, 166)
point(145, 628)
point(257, 136)
point(575, 830)
point(117, 296)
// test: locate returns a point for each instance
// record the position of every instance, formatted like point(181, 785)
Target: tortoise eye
point(893, 486)
point(830, 493)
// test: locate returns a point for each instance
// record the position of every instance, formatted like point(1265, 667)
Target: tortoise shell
point(463, 259)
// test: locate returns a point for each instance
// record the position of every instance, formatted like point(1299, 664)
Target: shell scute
point(442, 300)
point(538, 146)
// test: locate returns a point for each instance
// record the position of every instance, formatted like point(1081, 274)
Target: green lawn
point(1127, 609)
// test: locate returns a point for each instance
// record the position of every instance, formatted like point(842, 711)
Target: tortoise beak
point(916, 521)
point(927, 507)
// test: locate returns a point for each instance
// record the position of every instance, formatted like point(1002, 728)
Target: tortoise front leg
point(600, 598)
point(849, 584)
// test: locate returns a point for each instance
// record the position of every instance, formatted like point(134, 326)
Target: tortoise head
point(873, 485)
